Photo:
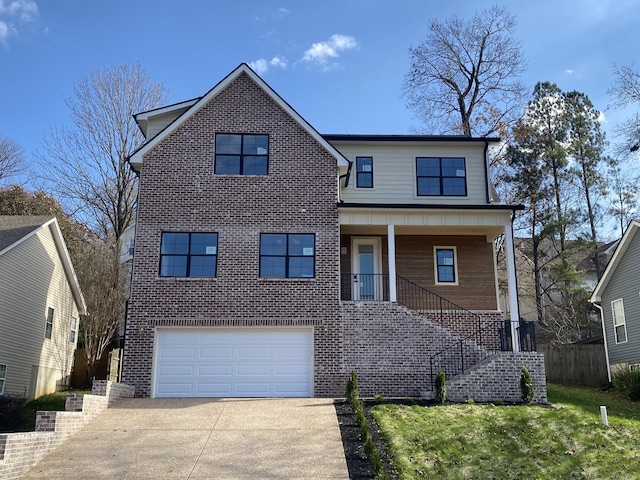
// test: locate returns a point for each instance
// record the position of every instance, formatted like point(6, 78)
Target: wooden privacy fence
point(575, 364)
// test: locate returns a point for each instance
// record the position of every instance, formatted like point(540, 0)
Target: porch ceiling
point(491, 232)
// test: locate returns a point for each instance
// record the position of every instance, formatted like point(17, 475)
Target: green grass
point(50, 402)
point(464, 441)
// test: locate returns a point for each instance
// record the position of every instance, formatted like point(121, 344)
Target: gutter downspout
point(604, 335)
point(346, 176)
point(486, 171)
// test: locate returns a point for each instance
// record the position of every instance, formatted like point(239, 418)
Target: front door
point(367, 261)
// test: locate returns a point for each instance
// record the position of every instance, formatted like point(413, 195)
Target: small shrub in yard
point(441, 387)
point(627, 381)
point(11, 412)
point(526, 386)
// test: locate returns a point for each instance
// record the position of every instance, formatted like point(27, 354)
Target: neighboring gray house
point(40, 306)
point(617, 296)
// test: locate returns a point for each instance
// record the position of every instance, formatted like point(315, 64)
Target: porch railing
point(481, 344)
point(366, 287)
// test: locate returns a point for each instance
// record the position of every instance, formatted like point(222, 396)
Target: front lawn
point(465, 441)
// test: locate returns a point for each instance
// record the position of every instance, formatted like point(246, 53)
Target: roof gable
point(136, 158)
point(15, 229)
point(618, 256)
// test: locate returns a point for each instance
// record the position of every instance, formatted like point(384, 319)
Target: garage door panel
point(221, 362)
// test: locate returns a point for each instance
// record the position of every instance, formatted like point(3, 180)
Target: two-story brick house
point(272, 260)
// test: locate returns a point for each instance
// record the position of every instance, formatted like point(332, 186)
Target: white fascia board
point(596, 296)
point(136, 159)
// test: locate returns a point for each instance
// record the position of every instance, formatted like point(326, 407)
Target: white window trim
point(4, 379)
point(455, 265)
point(616, 324)
point(46, 322)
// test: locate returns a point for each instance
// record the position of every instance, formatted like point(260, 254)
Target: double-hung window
point(48, 326)
point(441, 176)
point(364, 172)
point(73, 331)
point(619, 322)
point(3, 377)
point(241, 154)
point(189, 254)
point(287, 255)
point(446, 268)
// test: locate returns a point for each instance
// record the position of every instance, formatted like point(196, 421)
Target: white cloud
point(262, 66)
point(12, 12)
point(602, 118)
point(568, 71)
point(322, 52)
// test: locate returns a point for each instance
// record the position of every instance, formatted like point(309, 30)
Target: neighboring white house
point(40, 306)
point(617, 296)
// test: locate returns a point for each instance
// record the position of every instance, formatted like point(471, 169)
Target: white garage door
point(220, 362)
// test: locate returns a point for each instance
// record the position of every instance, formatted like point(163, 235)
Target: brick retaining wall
point(21, 451)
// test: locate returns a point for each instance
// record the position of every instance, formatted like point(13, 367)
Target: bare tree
point(465, 77)
point(86, 164)
point(11, 159)
point(625, 92)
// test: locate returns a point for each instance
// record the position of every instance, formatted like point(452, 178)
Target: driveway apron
point(203, 439)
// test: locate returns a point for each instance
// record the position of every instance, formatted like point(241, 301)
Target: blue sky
point(340, 64)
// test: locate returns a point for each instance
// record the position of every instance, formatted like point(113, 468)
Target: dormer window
point(241, 154)
point(441, 176)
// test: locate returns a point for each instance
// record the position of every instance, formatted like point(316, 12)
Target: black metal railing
point(481, 344)
point(365, 287)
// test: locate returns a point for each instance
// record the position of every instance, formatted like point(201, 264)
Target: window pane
point(301, 267)
point(228, 143)
point(301, 245)
point(204, 243)
point(175, 243)
point(227, 165)
point(273, 267)
point(203, 266)
point(364, 164)
point(445, 257)
point(255, 145)
point(273, 244)
point(428, 186)
point(453, 186)
point(3, 371)
point(620, 334)
point(453, 167)
point(364, 180)
point(446, 274)
point(173, 266)
point(254, 165)
point(428, 167)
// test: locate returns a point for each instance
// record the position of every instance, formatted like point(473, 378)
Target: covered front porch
point(438, 262)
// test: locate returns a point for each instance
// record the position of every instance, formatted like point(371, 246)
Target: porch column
point(513, 285)
point(391, 240)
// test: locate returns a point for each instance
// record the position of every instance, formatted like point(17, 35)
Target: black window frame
point(452, 267)
point(441, 177)
point(287, 255)
point(188, 255)
point(242, 156)
point(364, 174)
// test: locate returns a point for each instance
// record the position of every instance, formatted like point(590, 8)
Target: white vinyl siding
point(395, 172)
point(37, 281)
point(619, 323)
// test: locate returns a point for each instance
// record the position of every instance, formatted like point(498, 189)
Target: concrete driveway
point(203, 439)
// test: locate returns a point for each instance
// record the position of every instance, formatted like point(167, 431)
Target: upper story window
point(446, 265)
point(441, 176)
point(241, 154)
point(3, 377)
point(189, 255)
point(364, 172)
point(619, 322)
point(48, 326)
point(285, 255)
point(73, 331)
